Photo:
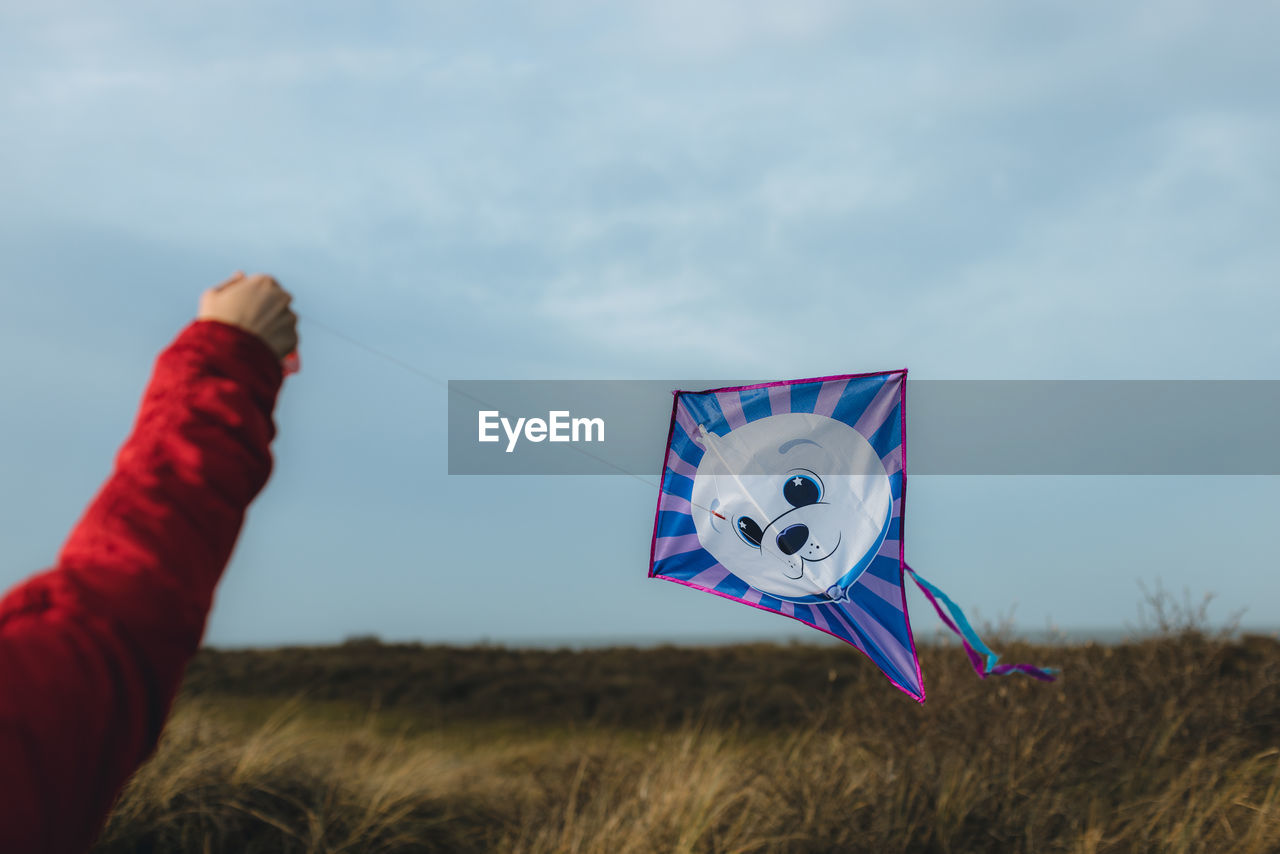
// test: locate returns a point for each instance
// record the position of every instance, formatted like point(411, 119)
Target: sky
point(644, 190)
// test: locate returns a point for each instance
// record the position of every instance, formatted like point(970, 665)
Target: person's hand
point(257, 304)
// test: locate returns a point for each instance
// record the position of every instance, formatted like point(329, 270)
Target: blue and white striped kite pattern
point(789, 497)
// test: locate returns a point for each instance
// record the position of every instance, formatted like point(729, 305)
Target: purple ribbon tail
point(984, 661)
point(1044, 674)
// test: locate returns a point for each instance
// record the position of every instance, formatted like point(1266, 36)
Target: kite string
point(434, 379)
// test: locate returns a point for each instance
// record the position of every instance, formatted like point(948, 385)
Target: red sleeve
point(92, 651)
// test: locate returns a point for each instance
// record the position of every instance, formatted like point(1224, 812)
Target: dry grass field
point(1169, 744)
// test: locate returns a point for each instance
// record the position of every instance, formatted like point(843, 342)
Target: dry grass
point(1169, 745)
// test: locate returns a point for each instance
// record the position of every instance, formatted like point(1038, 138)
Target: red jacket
point(92, 651)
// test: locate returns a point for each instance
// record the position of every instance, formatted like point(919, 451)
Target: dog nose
point(793, 539)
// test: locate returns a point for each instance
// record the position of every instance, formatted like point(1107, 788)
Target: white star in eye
point(742, 523)
point(798, 480)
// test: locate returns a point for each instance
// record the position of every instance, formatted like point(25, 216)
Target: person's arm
point(92, 652)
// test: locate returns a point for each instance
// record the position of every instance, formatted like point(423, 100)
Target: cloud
point(984, 181)
point(715, 28)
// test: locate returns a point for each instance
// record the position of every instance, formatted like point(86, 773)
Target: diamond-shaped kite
point(789, 497)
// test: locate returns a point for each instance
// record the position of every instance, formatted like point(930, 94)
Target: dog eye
point(801, 490)
point(749, 531)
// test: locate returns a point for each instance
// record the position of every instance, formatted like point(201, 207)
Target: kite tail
point(983, 659)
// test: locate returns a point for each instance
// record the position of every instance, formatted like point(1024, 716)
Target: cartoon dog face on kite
point(795, 504)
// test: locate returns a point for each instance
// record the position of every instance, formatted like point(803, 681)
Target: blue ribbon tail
point(985, 662)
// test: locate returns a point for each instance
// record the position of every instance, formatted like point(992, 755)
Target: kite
point(789, 497)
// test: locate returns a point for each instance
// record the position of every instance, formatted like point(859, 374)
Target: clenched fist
point(257, 304)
